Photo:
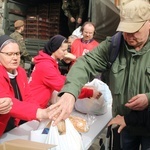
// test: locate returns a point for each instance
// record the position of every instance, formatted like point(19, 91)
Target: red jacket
point(78, 48)
point(46, 78)
point(20, 110)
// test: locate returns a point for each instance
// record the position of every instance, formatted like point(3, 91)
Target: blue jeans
point(130, 142)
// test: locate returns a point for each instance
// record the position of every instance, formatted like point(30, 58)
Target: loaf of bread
point(79, 123)
point(70, 56)
point(61, 127)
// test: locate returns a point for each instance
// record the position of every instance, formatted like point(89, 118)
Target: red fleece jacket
point(24, 110)
point(46, 78)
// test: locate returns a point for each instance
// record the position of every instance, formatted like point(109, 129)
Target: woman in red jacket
point(46, 76)
point(13, 86)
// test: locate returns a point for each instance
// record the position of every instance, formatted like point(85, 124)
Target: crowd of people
point(23, 99)
point(128, 76)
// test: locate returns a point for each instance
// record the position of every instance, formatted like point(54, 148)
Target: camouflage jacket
point(73, 8)
point(19, 39)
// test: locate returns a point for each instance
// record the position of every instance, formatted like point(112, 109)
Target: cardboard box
point(20, 144)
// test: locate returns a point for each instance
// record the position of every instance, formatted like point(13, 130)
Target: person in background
point(81, 46)
point(71, 39)
point(14, 89)
point(129, 75)
point(63, 66)
point(74, 10)
point(46, 77)
point(5, 105)
point(17, 36)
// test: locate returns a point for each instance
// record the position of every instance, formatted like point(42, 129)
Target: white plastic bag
point(37, 135)
point(77, 32)
point(103, 88)
point(71, 140)
point(91, 106)
point(95, 106)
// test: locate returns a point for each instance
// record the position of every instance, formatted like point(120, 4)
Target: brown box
point(20, 144)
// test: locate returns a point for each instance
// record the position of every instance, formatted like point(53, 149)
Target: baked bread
point(79, 123)
point(61, 127)
point(70, 56)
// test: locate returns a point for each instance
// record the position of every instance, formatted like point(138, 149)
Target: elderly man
point(129, 74)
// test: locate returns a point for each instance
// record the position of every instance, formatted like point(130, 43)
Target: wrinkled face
point(88, 32)
point(10, 57)
point(139, 38)
point(61, 52)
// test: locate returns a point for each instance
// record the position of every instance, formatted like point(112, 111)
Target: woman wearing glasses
point(13, 87)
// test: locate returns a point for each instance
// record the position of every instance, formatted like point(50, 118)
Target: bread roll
point(61, 127)
point(70, 56)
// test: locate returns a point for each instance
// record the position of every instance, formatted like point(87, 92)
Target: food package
point(79, 124)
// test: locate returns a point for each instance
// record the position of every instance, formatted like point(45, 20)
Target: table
point(96, 128)
point(23, 131)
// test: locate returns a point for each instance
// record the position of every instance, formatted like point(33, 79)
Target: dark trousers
point(73, 25)
point(130, 142)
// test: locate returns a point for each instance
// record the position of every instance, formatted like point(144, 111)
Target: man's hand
point(79, 21)
point(72, 19)
point(138, 102)
point(118, 120)
point(62, 109)
point(5, 105)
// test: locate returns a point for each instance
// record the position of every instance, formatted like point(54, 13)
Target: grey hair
point(73, 36)
point(7, 42)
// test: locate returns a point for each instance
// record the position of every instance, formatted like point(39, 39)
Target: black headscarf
point(53, 44)
point(4, 38)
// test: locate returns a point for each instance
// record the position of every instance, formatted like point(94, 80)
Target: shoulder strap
point(114, 48)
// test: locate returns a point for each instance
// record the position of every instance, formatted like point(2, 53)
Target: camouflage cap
point(18, 23)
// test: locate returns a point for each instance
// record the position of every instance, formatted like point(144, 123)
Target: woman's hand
point(5, 105)
point(96, 93)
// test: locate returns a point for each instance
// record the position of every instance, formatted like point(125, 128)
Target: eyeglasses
point(11, 54)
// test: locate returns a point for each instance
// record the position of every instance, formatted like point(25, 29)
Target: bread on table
point(79, 124)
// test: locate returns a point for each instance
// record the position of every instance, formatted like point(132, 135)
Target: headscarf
point(53, 44)
point(3, 39)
